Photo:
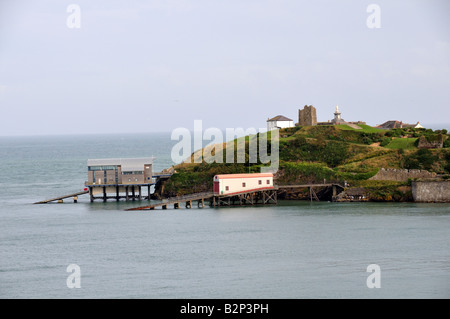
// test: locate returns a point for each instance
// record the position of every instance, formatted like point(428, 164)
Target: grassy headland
point(312, 154)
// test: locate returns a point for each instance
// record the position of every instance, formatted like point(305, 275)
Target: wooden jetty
point(312, 192)
point(254, 197)
point(119, 191)
point(257, 197)
point(61, 198)
point(176, 201)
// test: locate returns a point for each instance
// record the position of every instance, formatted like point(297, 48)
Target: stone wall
point(431, 191)
point(401, 175)
point(431, 142)
point(307, 116)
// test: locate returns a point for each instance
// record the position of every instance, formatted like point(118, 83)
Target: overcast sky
point(145, 66)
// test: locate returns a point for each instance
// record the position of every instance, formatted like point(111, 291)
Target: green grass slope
point(316, 153)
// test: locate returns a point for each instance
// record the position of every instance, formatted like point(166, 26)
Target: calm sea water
point(292, 250)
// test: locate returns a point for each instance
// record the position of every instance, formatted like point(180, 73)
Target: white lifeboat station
point(232, 184)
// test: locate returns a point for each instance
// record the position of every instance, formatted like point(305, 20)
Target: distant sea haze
point(239, 133)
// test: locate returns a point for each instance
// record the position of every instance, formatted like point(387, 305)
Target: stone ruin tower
point(307, 116)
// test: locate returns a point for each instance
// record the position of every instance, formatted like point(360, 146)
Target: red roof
point(251, 175)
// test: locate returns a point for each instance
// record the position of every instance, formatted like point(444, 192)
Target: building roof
point(397, 124)
point(127, 164)
point(279, 118)
point(390, 124)
point(417, 125)
point(251, 175)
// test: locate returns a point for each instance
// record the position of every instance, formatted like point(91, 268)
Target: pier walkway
point(60, 198)
point(132, 191)
point(265, 196)
point(310, 185)
point(176, 201)
point(253, 197)
point(312, 193)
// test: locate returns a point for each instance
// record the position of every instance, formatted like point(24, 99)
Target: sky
point(153, 66)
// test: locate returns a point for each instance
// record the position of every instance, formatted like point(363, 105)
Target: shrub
point(385, 141)
point(447, 167)
point(366, 140)
point(335, 153)
point(394, 133)
point(447, 142)
point(357, 176)
point(332, 153)
point(422, 159)
point(293, 172)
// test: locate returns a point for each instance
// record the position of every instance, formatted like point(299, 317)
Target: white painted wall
point(273, 125)
point(251, 183)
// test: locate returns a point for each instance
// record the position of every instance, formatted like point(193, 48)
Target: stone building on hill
point(307, 116)
point(279, 122)
point(397, 124)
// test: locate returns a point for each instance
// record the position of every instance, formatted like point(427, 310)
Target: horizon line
point(426, 126)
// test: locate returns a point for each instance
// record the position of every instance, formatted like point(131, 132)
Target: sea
point(292, 250)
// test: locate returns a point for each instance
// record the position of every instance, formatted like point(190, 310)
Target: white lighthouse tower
point(337, 117)
point(337, 114)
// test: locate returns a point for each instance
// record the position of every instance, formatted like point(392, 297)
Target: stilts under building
point(120, 178)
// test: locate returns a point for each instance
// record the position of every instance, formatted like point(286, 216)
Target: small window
point(268, 182)
point(243, 184)
point(259, 182)
point(227, 188)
